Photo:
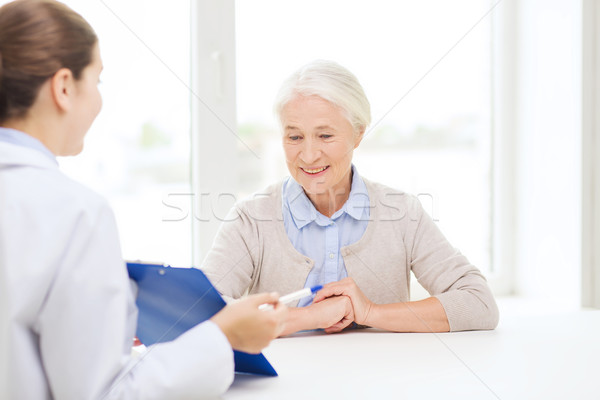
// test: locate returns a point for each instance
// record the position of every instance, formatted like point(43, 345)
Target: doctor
point(67, 314)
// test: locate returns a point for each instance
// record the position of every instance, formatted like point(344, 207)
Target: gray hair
point(332, 82)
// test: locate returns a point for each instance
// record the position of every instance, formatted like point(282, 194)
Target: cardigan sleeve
point(230, 262)
point(447, 275)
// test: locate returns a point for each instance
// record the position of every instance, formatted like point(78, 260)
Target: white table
point(543, 357)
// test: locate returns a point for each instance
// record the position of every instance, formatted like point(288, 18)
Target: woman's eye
point(294, 137)
point(326, 136)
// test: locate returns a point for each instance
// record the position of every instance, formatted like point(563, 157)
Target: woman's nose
point(310, 152)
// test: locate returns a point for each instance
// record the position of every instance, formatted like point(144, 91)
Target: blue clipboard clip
point(172, 300)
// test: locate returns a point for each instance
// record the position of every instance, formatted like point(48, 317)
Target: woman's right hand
point(246, 327)
point(332, 314)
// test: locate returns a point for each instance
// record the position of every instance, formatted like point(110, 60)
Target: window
point(441, 76)
point(137, 151)
point(425, 66)
point(426, 69)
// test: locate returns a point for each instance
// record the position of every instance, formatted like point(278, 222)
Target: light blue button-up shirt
point(321, 238)
point(19, 138)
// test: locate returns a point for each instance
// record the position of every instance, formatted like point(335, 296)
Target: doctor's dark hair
point(38, 38)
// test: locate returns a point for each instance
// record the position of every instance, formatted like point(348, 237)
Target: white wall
point(548, 150)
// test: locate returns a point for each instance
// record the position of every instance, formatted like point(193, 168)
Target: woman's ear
point(359, 136)
point(62, 85)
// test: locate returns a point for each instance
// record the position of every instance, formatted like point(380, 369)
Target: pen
point(288, 298)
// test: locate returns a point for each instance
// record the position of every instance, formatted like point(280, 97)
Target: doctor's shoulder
point(72, 201)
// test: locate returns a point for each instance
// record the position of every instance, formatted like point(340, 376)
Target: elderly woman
point(327, 225)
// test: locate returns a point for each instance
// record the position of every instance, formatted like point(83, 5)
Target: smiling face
point(319, 142)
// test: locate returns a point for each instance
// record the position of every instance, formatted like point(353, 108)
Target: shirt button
point(331, 255)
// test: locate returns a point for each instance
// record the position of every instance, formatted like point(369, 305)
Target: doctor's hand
point(246, 327)
point(347, 287)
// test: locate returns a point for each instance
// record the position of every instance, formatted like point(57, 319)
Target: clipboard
point(172, 300)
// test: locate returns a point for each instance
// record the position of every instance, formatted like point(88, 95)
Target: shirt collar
point(304, 212)
point(357, 205)
point(301, 209)
point(19, 138)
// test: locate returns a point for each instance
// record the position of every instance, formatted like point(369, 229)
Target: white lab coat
point(66, 308)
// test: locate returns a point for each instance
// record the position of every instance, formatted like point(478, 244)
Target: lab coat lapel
point(12, 155)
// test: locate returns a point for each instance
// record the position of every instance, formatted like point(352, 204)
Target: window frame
point(213, 127)
point(590, 277)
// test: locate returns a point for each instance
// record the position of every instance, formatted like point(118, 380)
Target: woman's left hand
point(347, 287)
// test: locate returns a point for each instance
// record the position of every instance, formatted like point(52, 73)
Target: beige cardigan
point(252, 252)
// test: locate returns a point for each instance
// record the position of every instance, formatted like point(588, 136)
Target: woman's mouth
point(314, 171)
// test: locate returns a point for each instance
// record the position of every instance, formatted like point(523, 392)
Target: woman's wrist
point(296, 320)
point(371, 315)
point(313, 318)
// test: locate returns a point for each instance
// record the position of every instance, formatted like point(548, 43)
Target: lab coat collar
point(20, 138)
point(13, 155)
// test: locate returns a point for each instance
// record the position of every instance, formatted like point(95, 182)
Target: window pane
point(429, 91)
point(137, 151)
